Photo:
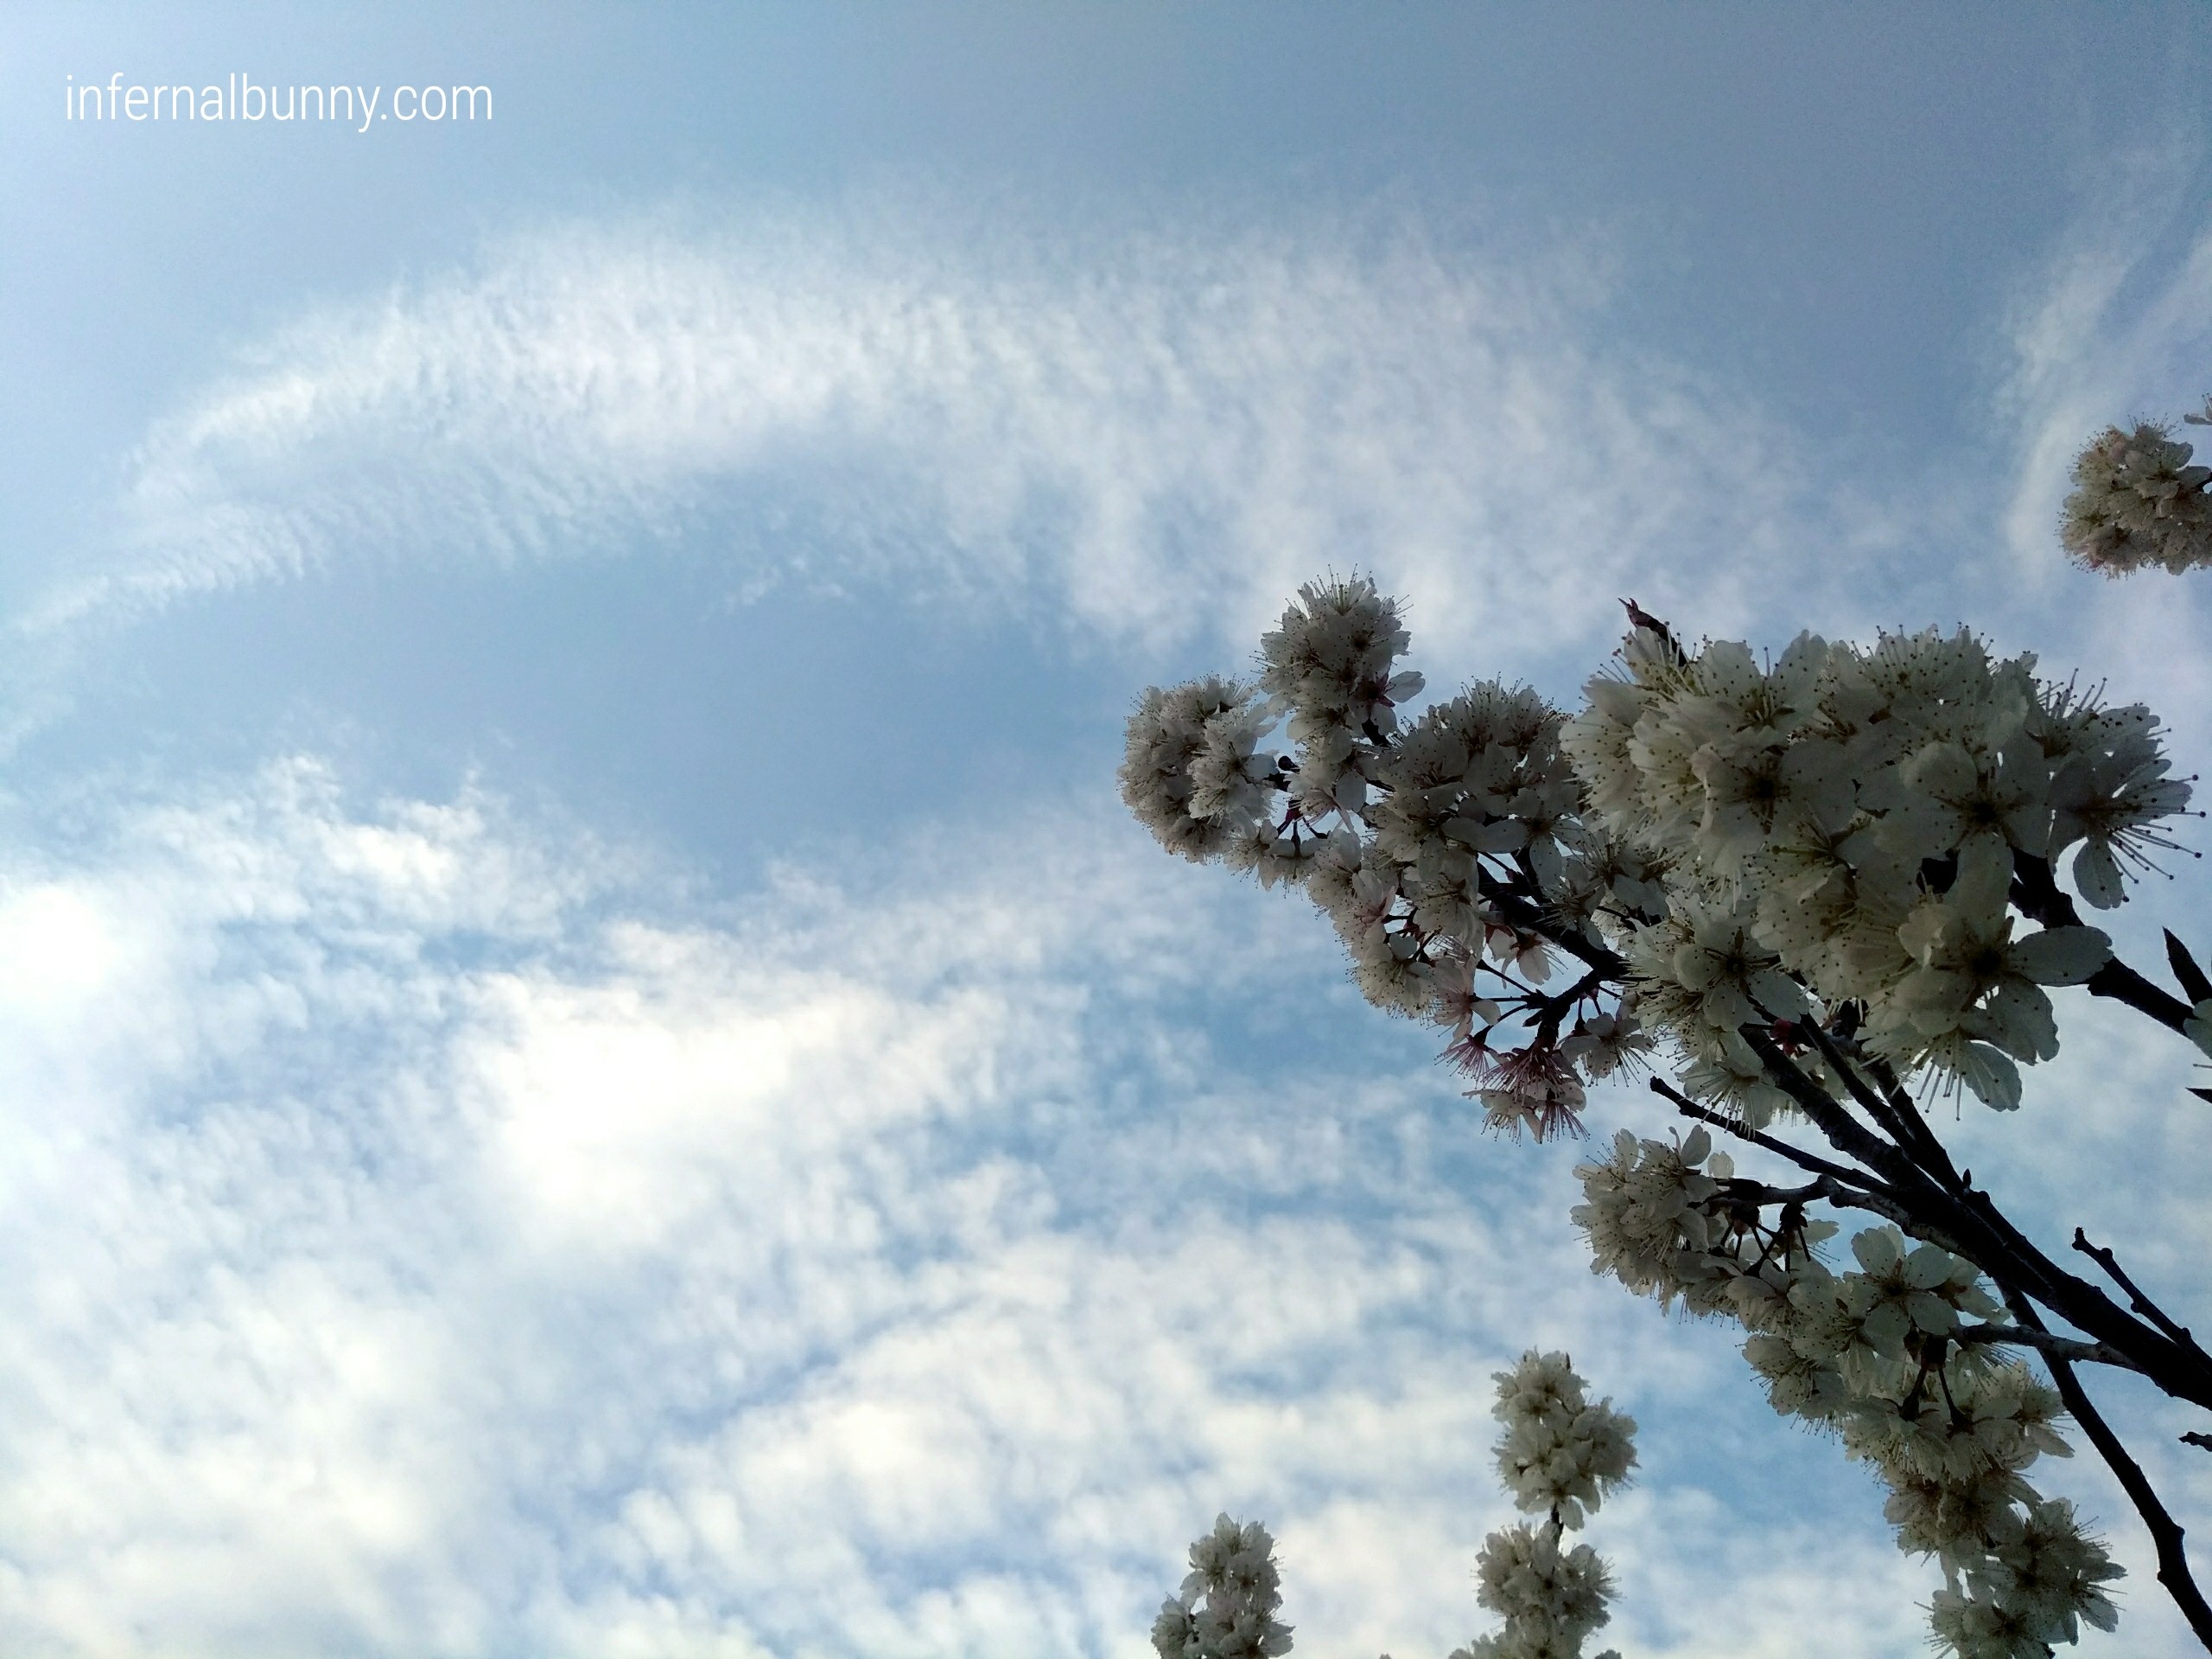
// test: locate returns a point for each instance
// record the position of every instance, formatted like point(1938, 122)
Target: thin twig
point(1689, 1107)
point(2166, 1531)
point(1758, 1193)
point(2142, 1304)
point(2043, 1342)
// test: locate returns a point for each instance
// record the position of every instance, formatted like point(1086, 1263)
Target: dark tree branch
point(1967, 1223)
point(1844, 1132)
point(1529, 916)
point(2166, 1531)
point(1917, 1140)
point(2179, 1368)
point(1941, 1164)
point(2123, 984)
point(1891, 1109)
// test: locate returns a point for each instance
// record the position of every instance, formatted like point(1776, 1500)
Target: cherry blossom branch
point(1498, 766)
point(2166, 1532)
point(1968, 1224)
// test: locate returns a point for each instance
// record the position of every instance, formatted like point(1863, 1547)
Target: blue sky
point(593, 1066)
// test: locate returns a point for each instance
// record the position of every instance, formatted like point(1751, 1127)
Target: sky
point(592, 1065)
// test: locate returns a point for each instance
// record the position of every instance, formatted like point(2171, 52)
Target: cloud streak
point(1158, 431)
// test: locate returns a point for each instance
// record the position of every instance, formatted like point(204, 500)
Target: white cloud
point(418, 1240)
point(1157, 430)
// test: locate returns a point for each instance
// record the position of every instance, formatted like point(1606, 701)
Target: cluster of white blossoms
point(1816, 884)
point(1895, 1355)
point(1837, 835)
point(1226, 1608)
point(1844, 828)
point(2139, 501)
point(1558, 1456)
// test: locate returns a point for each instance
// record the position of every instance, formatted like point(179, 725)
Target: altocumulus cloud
point(416, 1243)
point(1158, 431)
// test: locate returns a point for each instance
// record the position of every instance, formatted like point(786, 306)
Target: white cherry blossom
point(1827, 874)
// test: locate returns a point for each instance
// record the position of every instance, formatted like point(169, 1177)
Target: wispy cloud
point(1159, 430)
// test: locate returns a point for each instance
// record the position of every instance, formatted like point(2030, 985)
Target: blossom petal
point(2019, 1019)
point(1878, 1248)
point(1992, 1075)
point(2096, 875)
point(1985, 878)
point(2060, 956)
point(1928, 1266)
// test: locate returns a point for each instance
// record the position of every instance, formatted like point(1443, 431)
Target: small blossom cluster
point(2138, 500)
point(1895, 1355)
point(1558, 1456)
point(1226, 1608)
point(1550, 1597)
point(1449, 854)
point(1841, 831)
